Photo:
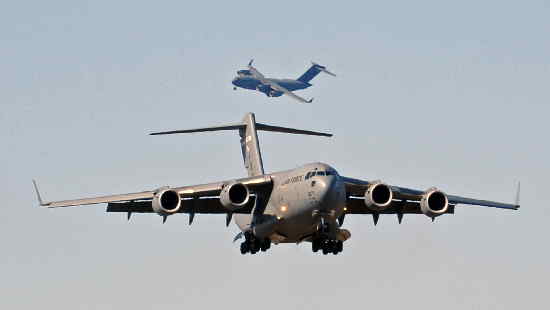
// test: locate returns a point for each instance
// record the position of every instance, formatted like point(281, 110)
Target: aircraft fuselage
point(249, 82)
point(300, 200)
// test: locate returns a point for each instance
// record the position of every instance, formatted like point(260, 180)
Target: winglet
point(38, 194)
point(517, 194)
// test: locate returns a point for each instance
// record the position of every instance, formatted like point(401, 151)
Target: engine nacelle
point(378, 196)
point(266, 89)
point(434, 203)
point(234, 196)
point(166, 202)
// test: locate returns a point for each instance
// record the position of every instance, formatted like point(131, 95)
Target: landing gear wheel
point(266, 244)
point(326, 247)
point(315, 245)
point(340, 246)
point(334, 246)
point(244, 248)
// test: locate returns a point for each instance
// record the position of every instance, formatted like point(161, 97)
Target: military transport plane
point(254, 80)
point(308, 203)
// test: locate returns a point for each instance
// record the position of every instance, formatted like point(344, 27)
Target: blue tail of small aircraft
point(312, 72)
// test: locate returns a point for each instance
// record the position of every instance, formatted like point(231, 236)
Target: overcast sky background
point(429, 93)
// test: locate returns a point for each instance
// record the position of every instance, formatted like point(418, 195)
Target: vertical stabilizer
point(250, 146)
point(313, 71)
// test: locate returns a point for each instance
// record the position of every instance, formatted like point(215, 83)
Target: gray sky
point(428, 93)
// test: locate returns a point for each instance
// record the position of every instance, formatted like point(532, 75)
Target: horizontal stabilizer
point(323, 69)
point(313, 71)
point(260, 126)
point(243, 125)
point(213, 128)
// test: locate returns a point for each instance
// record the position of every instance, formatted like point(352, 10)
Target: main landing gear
point(253, 245)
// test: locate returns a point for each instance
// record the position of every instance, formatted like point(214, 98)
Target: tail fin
point(250, 145)
point(313, 71)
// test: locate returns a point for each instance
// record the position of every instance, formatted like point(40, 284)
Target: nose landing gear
point(322, 241)
point(253, 245)
point(327, 246)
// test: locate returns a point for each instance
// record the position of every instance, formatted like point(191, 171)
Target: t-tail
point(248, 132)
point(313, 71)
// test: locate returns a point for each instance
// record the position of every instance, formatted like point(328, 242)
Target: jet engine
point(234, 196)
point(266, 89)
point(434, 203)
point(166, 202)
point(378, 196)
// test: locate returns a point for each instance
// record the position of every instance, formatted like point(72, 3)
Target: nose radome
point(326, 187)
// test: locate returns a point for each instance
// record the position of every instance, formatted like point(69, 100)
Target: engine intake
point(166, 202)
point(378, 196)
point(234, 196)
point(434, 203)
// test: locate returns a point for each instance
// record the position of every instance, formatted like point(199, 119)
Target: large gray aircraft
point(308, 203)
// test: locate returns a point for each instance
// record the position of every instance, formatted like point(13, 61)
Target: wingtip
point(38, 196)
point(518, 188)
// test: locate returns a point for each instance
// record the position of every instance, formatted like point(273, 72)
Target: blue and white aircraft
point(252, 79)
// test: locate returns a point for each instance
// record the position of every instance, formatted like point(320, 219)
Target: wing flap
point(101, 199)
point(208, 205)
point(357, 206)
point(482, 203)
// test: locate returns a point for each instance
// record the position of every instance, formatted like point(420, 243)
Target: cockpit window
point(311, 174)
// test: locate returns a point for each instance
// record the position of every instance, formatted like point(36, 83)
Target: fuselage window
point(320, 173)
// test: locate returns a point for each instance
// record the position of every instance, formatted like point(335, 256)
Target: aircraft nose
point(326, 188)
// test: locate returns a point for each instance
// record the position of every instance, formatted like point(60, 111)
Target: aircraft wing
point(255, 72)
point(201, 198)
point(409, 199)
point(287, 92)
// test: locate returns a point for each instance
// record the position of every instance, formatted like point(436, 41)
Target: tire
point(326, 248)
point(315, 245)
point(244, 248)
point(267, 243)
point(335, 248)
